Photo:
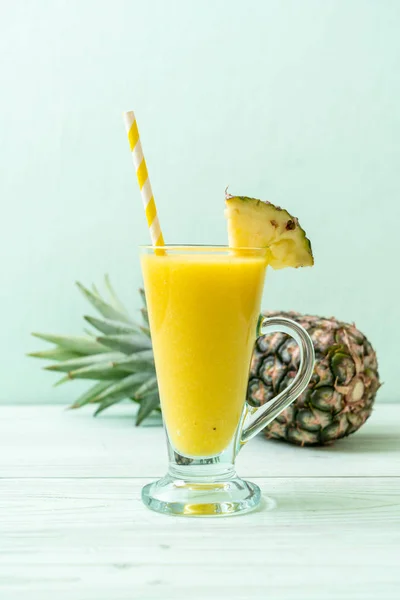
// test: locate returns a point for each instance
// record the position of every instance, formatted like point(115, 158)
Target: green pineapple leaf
point(125, 342)
point(143, 297)
point(104, 309)
point(107, 403)
point(148, 384)
point(144, 311)
point(90, 394)
point(145, 316)
point(84, 361)
point(141, 361)
point(103, 371)
point(110, 327)
point(75, 343)
point(61, 381)
point(115, 301)
point(89, 332)
point(119, 391)
point(148, 403)
point(95, 290)
point(55, 353)
point(125, 388)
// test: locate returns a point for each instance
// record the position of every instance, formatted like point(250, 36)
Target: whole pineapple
point(341, 392)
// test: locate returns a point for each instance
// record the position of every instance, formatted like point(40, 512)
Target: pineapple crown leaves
point(117, 355)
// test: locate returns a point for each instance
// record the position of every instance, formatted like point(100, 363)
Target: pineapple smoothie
point(203, 309)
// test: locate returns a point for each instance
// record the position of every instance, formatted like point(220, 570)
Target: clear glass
point(204, 305)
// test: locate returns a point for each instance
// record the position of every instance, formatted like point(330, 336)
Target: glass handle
point(257, 418)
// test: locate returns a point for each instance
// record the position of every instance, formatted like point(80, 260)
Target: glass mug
point(204, 305)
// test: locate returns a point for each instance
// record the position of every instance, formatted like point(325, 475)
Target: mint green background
point(292, 101)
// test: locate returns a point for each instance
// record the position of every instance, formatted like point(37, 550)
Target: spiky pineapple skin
point(342, 390)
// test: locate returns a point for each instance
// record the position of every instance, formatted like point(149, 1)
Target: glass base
point(172, 496)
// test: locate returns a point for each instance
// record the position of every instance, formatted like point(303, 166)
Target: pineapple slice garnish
point(256, 224)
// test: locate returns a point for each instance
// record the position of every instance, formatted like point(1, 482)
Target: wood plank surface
point(72, 525)
point(64, 443)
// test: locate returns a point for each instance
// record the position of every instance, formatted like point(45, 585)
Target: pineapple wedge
point(256, 224)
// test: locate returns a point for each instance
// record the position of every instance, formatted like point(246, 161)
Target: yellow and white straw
point(143, 179)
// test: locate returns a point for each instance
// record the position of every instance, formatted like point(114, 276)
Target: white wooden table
point(72, 525)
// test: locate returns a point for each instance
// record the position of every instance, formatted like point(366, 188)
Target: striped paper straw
point(143, 179)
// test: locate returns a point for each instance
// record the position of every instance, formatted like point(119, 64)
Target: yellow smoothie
point(203, 310)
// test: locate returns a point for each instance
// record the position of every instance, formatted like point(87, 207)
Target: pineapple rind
point(342, 390)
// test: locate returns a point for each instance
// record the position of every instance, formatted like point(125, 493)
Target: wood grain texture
point(64, 443)
point(72, 524)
